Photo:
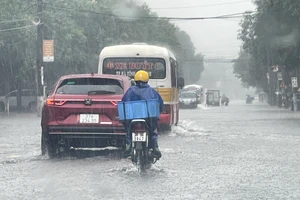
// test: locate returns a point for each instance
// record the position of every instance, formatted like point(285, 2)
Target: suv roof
point(119, 77)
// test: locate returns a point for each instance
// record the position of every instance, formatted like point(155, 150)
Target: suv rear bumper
point(89, 137)
point(96, 131)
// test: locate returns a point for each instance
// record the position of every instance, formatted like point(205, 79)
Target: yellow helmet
point(141, 75)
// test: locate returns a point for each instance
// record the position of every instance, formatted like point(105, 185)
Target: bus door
point(174, 88)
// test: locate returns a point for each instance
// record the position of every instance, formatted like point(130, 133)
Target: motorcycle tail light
point(138, 127)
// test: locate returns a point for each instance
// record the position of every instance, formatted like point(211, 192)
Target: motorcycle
point(139, 115)
point(141, 155)
point(249, 99)
point(225, 101)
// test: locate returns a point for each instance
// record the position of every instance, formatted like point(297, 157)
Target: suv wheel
point(44, 141)
point(49, 145)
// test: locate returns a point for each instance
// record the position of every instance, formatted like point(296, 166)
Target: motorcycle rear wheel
point(140, 162)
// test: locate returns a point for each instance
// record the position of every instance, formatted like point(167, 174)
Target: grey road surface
point(235, 152)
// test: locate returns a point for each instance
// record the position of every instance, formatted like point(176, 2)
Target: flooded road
point(236, 152)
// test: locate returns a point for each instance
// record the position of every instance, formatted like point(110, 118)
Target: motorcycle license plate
point(139, 137)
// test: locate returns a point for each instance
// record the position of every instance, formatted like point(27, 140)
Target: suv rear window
point(92, 86)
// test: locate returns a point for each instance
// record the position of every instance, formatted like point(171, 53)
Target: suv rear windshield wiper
point(97, 92)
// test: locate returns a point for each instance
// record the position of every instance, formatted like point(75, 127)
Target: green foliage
point(80, 30)
point(270, 37)
point(16, 46)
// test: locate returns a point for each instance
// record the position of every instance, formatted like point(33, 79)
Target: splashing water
point(189, 128)
point(203, 107)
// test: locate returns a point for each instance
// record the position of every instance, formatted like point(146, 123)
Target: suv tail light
point(55, 102)
point(167, 109)
point(114, 103)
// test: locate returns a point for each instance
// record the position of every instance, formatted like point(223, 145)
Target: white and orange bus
point(161, 65)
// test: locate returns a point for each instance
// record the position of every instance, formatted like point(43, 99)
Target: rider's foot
point(156, 152)
point(127, 151)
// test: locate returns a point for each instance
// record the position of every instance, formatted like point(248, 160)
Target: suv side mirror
point(180, 82)
point(48, 93)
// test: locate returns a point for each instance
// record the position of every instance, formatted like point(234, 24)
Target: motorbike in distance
point(224, 100)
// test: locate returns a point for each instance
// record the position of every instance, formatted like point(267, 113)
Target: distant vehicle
point(188, 99)
point(224, 100)
point(213, 98)
point(28, 100)
point(249, 99)
point(159, 62)
point(198, 89)
point(81, 111)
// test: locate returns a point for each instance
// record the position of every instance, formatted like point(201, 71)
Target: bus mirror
point(132, 82)
point(180, 82)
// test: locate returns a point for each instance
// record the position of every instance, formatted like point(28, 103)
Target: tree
point(270, 37)
point(80, 30)
point(16, 45)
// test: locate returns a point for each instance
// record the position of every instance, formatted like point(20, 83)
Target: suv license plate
point(139, 137)
point(89, 118)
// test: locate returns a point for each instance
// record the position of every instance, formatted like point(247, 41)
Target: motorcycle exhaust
point(61, 144)
point(61, 149)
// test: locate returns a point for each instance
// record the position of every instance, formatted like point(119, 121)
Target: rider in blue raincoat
point(143, 91)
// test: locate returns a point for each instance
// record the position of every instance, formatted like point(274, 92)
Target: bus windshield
point(156, 67)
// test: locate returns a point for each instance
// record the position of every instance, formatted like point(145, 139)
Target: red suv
point(81, 111)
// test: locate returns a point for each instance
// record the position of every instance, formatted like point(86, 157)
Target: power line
point(12, 21)
point(241, 13)
point(18, 28)
point(9, 34)
point(14, 43)
point(223, 17)
point(199, 18)
point(200, 6)
point(233, 51)
point(228, 16)
point(27, 8)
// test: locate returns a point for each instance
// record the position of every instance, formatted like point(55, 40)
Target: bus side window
point(173, 72)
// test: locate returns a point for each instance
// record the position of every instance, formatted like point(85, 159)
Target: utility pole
point(39, 46)
point(39, 50)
